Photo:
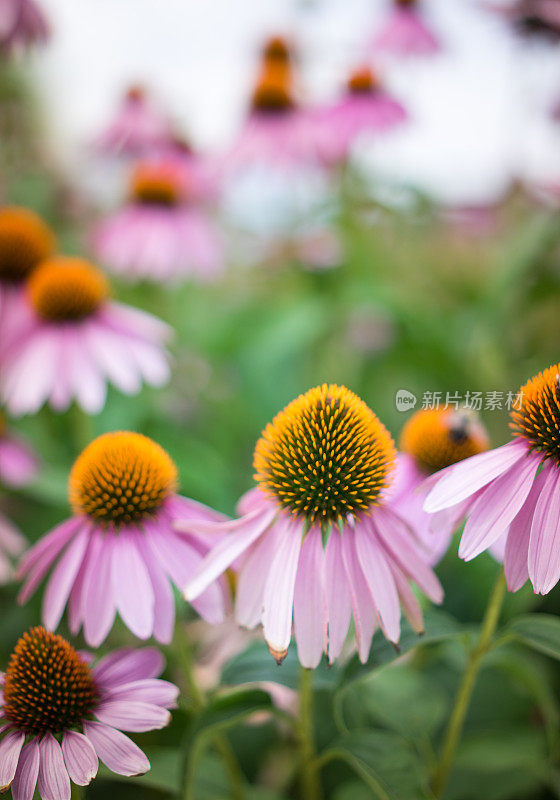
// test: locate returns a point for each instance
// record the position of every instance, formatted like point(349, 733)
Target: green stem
point(466, 686)
point(310, 783)
point(82, 428)
point(198, 703)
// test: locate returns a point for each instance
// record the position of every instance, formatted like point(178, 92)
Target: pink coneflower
point(366, 109)
point(277, 131)
point(138, 129)
point(76, 340)
point(25, 240)
point(405, 33)
point(161, 234)
point(316, 540)
point(18, 462)
point(60, 714)
point(118, 552)
point(432, 440)
point(22, 24)
point(514, 490)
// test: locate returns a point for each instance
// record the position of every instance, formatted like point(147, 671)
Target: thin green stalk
point(466, 686)
point(82, 428)
point(198, 703)
point(309, 771)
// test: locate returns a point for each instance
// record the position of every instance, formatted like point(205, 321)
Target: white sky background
point(479, 110)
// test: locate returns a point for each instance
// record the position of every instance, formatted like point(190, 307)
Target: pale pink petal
point(249, 596)
point(278, 600)
point(53, 542)
point(126, 665)
point(150, 690)
point(467, 477)
point(363, 607)
point(338, 595)
point(53, 782)
point(25, 781)
point(164, 601)
point(409, 603)
point(98, 597)
point(544, 544)
point(132, 588)
point(18, 463)
point(10, 749)
point(130, 715)
point(241, 534)
point(380, 581)
point(117, 751)
point(62, 579)
point(310, 604)
point(80, 757)
point(496, 507)
point(516, 555)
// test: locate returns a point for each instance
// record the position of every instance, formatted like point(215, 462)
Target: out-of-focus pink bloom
point(277, 131)
point(119, 551)
point(22, 24)
point(75, 341)
point(25, 240)
point(514, 491)
point(365, 109)
point(18, 462)
point(432, 440)
point(405, 33)
point(12, 544)
point(162, 233)
point(315, 541)
point(60, 714)
point(138, 129)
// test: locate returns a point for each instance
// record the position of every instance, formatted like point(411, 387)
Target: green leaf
point(538, 631)
point(383, 760)
point(439, 627)
point(256, 664)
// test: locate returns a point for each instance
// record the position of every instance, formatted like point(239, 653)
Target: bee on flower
point(316, 542)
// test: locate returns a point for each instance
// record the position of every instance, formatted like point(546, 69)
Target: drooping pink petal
point(363, 607)
point(164, 602)
point(98, 598)
point(62, 579)
point(10, 749)
point(149, 690)
point(126, 665)
point(116, 750)
point(132, 588)
point(241, 534)
point(131, 715)
point(409, 603)
point(50, 544)
point(310, 604)
point(252, 579)
point(398, 540)
point(339, 607)
point(25, 781)
point(18, 463)
point(544, 543)
point(465, 478)
point(516, 555)
point(278, 600)
point(53, 782)
point(380, 581)
point(80, 757)
point(496, 507)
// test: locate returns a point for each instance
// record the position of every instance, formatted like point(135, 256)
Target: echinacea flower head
point(75, 340)
point(431, 440)
point(366, 108)
point(118, 552)
point(163, 233)
point(316, 541)
point(60, 714)
point(514, 490)
point(405, 32)
point(22, 25)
